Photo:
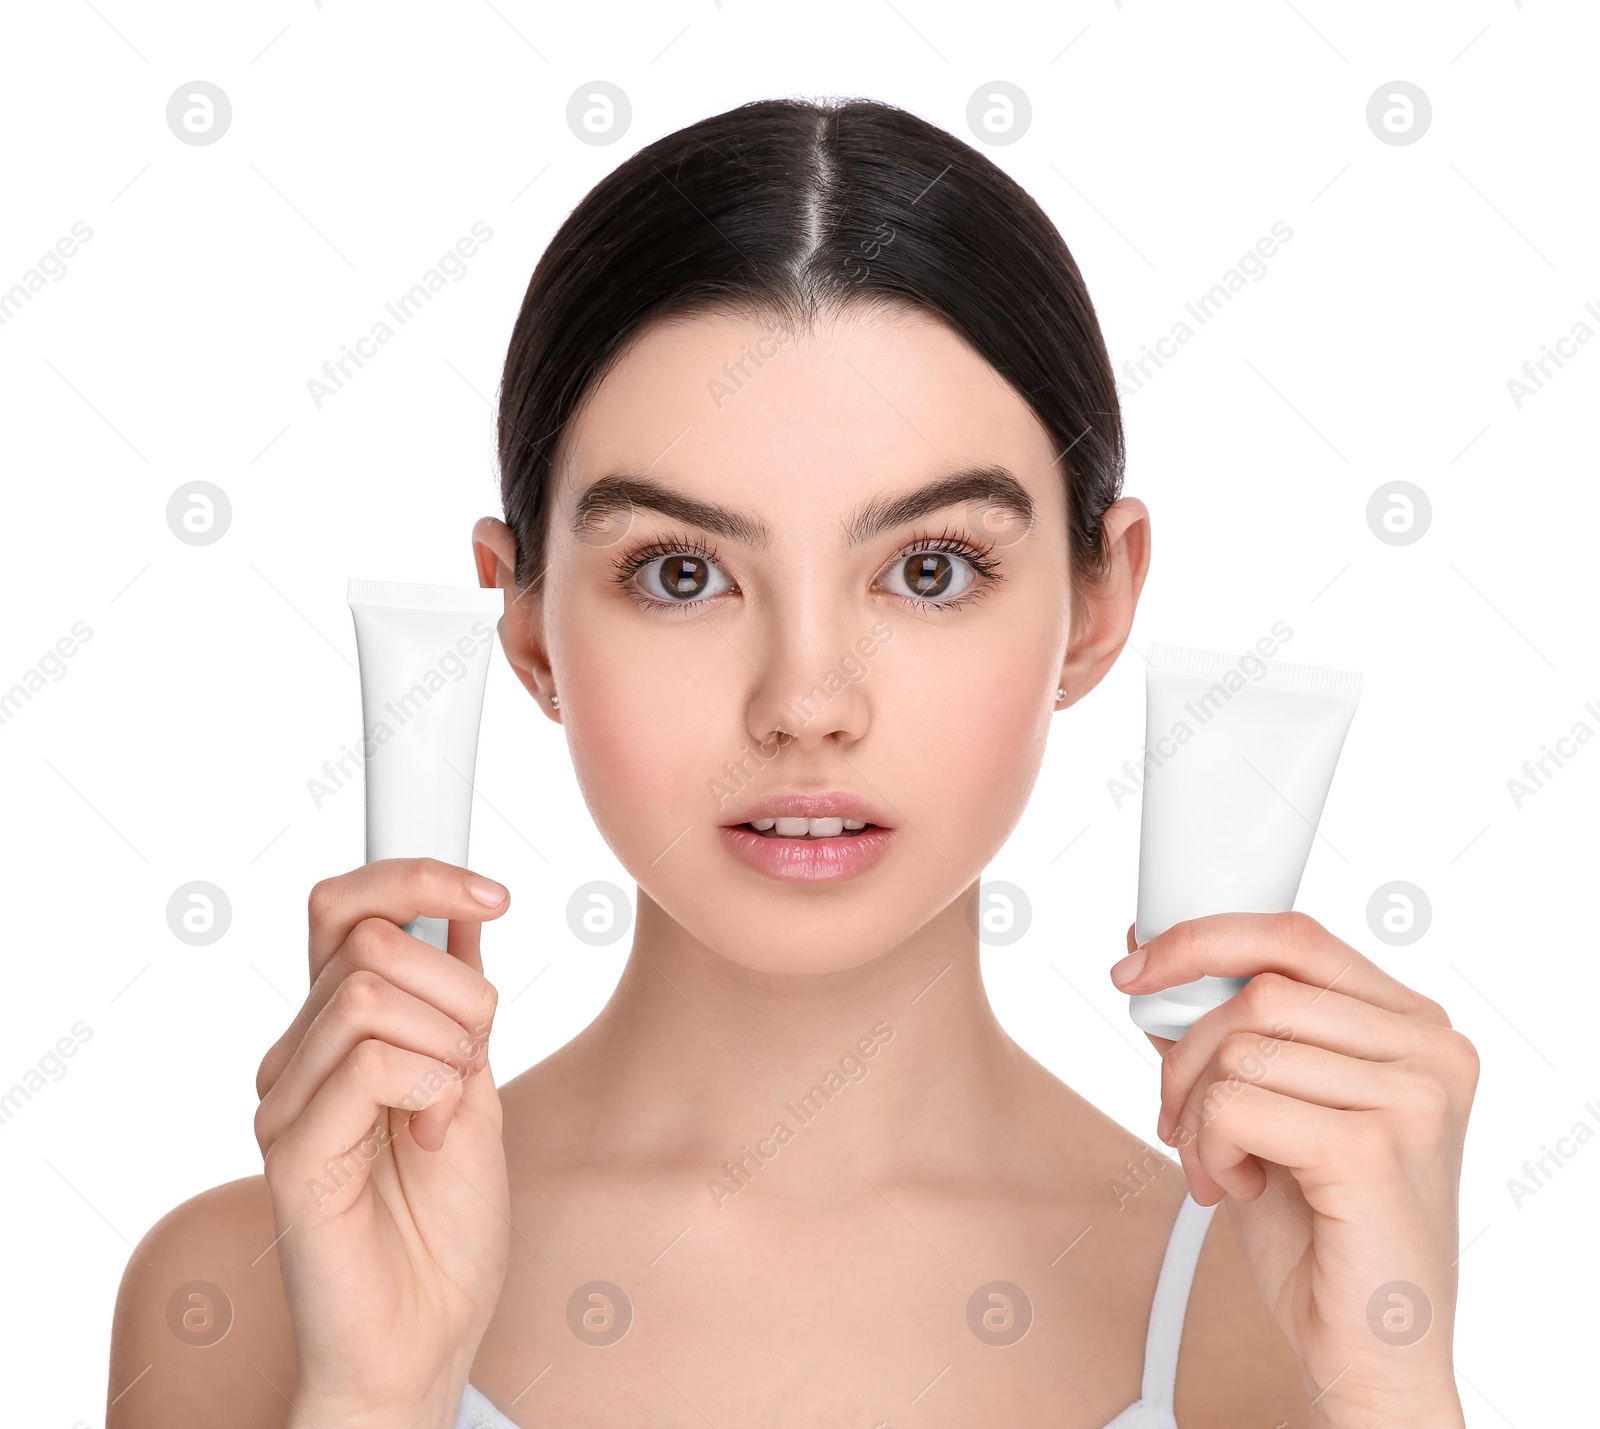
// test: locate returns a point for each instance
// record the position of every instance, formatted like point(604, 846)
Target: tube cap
point(431, 930)
point(1174, 1010)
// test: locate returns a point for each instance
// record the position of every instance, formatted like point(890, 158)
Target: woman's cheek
point(642, 775)
point(973, 755)
point(630, 713)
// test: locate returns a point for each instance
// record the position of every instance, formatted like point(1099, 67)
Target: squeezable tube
point(424, 656)
point(1239, 755)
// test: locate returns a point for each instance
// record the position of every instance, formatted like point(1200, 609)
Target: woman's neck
point(696, 1058)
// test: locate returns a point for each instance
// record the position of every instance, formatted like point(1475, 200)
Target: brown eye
point(681, 578)
point(935, 577)
point(684, 576)
point(928, 572)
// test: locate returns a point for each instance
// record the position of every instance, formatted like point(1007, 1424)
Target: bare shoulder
point(201, 1331)
point(548, 1110)
point(1235, 1366)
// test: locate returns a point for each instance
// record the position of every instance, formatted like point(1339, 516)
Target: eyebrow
point(993, 486)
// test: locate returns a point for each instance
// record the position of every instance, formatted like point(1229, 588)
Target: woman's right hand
point(379, 1126)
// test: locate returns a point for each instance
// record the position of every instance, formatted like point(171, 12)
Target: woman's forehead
point(744, 410)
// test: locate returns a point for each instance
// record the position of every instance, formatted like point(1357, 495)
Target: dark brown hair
point(781, 207)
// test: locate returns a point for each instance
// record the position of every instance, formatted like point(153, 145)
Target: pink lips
point(805, 859)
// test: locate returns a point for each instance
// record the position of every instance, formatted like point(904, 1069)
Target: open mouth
point(806, 850)
point(808, 828)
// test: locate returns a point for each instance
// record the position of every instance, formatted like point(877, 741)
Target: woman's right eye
point(680, 578)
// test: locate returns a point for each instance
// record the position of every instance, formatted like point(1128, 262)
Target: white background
point(1165, 140)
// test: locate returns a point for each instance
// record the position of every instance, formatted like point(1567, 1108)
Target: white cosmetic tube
point(1239, 754)
point(424, 655)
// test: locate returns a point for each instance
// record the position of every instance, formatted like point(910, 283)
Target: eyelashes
point(632, 561)
point(629, 564)
point(977, 556)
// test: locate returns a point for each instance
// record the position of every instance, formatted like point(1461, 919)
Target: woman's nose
point(810, 678)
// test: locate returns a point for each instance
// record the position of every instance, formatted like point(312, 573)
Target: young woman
point(811, 464)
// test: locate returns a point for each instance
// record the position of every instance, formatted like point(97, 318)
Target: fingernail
point(1124, 972)
point(486, 891)
point(1164, 1128)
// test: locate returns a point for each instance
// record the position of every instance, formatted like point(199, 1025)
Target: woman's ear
point(494, 550)
point(1104, 615)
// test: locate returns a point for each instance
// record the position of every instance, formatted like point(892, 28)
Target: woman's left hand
point(1329, 1103)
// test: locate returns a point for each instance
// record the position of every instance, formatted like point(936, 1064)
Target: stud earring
point(555, 702)
point(1061, 694)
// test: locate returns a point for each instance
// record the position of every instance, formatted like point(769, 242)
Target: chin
point(798, 930)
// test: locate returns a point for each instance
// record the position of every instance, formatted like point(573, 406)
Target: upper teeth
point(804, 828)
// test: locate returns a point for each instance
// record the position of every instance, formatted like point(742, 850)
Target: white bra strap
point(1171, 1300)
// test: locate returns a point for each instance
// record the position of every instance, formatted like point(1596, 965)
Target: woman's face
point(909, 653)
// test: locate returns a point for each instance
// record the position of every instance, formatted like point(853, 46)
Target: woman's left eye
point(935, 577)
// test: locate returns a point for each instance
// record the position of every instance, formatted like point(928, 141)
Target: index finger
point(1244, 944)
point(398, 889)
